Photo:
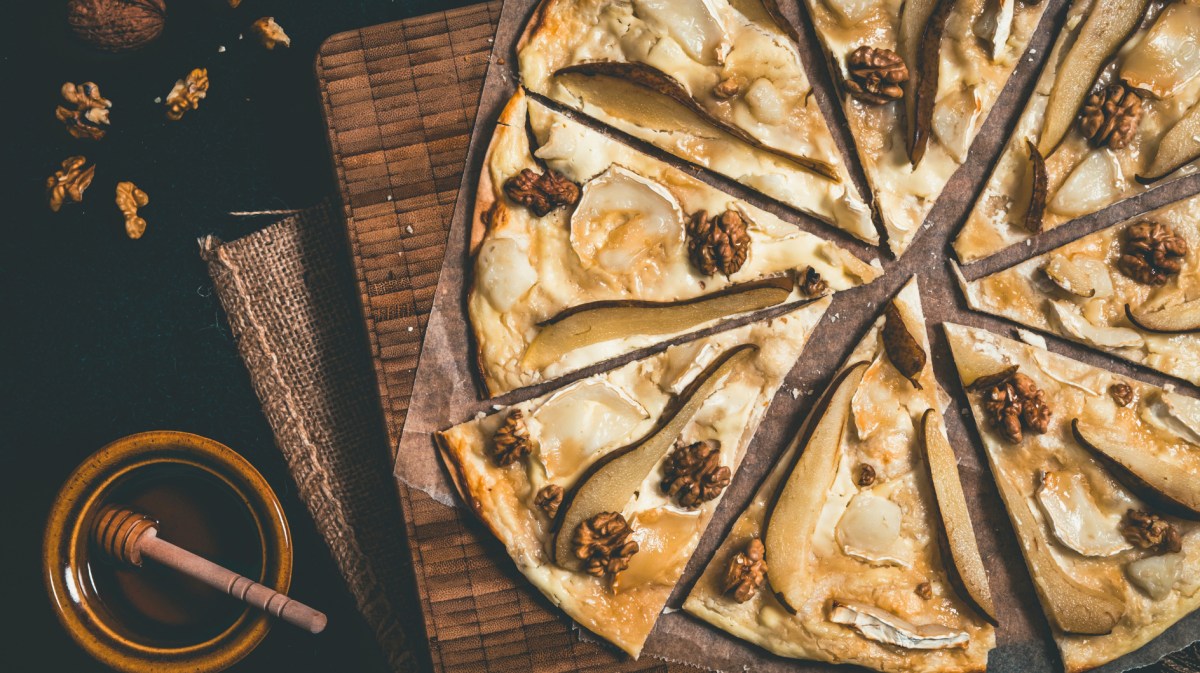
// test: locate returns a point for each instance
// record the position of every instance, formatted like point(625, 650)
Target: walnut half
point(86, 113)
point(693, 474)
point(541, 193)
point(1014, 404)
point(1151, 253)
point(511, 442)
point(68, 182)
point(602, 543)
point(718, 244)
point(1110, 117)
point(187, 93)
point(875, 75)
point(1150, 531)
point(747, 571)
point(129, 199)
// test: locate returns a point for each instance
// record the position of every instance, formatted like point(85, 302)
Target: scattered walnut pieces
point(549, 499)
point(875, 75)
point(727, 88)
point(270, 33)
point(1122, 394)
point(866, 475)
point(86, 112)
point(719, 243)
point(1013, 404)
point(747, 571)
point(68, 183)
point(129, 199)
point(602, 543)
point(1151, 253)
point(187, 94)
point(693, 474)
point(1150, 531)
point(1110, 116)
point(541, 193)
point(812, 285)
point(511, 442)
point(924, 590)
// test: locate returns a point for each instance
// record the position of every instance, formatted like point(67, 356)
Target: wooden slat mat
point(399, 100)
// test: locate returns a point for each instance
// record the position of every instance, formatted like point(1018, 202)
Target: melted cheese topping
point(977, 352)
point(624, 241)
point(872, 545)
point(702, 43)
point(624, 611)
point(1082, 179)
point(969, 83)
point(1022, 293)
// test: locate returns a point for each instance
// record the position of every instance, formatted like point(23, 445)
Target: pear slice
point(601, 321)
point(612, 482)
point(1108, 25)
point(1180, 319)
point(903, 349)
point(922, 23)
point(1179, 147)
point(793, 517)
point(960, 550)
point(1165, 487)
point(1039, 183)
point(640, 93)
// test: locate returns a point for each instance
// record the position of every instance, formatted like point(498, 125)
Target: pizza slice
point(918, 79)
point(719, 83)
point(1132, 290)
point(584, 249)
point(601, 490)
point(1116, 112)
point(858, 547)
point(1101, 478)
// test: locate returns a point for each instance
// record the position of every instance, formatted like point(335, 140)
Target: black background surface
point(104, 336)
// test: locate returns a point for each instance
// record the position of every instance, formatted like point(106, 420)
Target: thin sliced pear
point(1180, 319)
point(602, 321)
point(927, 70)
point(1108, 25)
point(793, 517)
point(612, 482)
point(1163, 486)
point(1039, 184)
point(1070, 606)
point(1179, 147)
point(903, 349)
point(960, 549)
point(649, 97)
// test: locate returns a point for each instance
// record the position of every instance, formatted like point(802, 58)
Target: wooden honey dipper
point(128, 536)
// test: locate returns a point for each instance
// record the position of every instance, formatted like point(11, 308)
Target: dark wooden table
point(104, 336)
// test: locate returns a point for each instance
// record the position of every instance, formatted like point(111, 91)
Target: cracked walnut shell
point(719, 243)
point(1150, 531)
point(270, 33)
point(86, 112)
point(1014, 404)
point(117, 25)
point(1151, 253)
point(68, 182)
point(129, 199)
point(603, 544)
point(747, 571)
point(693, 474)
point(875, 75)
point(511, 442)
point(541, 193)
point(187, 94)
point(1111, 116)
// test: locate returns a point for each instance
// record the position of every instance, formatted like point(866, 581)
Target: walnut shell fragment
point(902, 348)
point(270, 33)
point(187, 94)
point(68, 183)
point(129, 199)
point(117, 25)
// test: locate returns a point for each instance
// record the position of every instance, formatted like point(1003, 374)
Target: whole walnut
point(117, 25)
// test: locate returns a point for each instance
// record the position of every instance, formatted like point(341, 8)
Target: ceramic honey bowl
point(207, 499)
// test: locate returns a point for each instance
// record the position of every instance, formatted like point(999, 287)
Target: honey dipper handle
point(222, 579)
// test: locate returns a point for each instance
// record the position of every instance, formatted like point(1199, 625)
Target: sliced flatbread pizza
point(918, 79)
point(601, 491)
point(1101, 478)
point(1132, 290)
point(1116, 112)
point(584, 249)
point(719, 83)
point(858, 547)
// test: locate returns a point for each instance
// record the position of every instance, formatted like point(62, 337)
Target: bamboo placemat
point(399, 101)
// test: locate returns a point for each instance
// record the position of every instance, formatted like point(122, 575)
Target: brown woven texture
point(400, 100)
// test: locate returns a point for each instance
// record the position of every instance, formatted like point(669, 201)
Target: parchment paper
point(447, 391)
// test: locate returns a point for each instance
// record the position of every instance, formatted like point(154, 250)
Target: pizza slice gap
point(918, 80)
point(718, 83)
point(1100, 475)
point(584, 249)
point(858, 547)
point(1115, 112)
point(601, 490)
point(1130, 290)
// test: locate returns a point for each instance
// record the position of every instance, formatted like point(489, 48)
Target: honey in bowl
point(198, 512)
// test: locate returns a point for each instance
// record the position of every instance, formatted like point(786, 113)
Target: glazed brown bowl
point(107, 610)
